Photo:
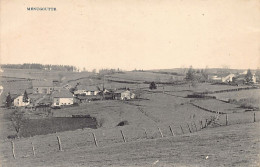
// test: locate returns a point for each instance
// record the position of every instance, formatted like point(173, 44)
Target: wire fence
point(90, 138)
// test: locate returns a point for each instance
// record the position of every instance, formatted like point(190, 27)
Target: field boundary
point(58, 142)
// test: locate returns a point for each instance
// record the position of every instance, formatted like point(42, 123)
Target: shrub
point(123, 123)
point(100, 122)
point(152, 86)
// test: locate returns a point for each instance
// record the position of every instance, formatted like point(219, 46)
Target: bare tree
point(17, 119)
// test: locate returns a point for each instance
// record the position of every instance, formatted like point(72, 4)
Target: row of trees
point(196, 75)
point(40, 67)
point(107, 71)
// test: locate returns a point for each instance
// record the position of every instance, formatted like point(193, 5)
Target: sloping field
point(205, 87)
point(253, 93)
point(236, 145)
point(252, 96)
point(154, 109)
point(216, 105)
point(147, 76)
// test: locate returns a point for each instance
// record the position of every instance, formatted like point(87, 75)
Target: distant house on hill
point(86, 90)
point(62, 97)
point(228, 78)
point(223, 77)
point(254, 78)
point(42, 87)
point(123, 95)
point(1, 89)
point(18, 101)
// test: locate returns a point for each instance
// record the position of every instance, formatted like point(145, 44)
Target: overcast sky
point(129, 34)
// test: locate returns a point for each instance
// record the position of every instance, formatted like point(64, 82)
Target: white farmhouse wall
point(18, 102)
point(62, 101)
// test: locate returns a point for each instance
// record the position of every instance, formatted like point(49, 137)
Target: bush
point(152, 86)
point(123, 123)
point(100, 122)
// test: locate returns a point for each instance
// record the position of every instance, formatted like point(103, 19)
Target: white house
point(228, 78)
point(254, 78)
point(18, 101)
point(62, 97)
point(124, 95)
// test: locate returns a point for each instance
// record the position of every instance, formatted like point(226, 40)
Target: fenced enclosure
point(93, 138)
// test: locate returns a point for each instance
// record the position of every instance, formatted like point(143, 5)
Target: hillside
point(235, 145)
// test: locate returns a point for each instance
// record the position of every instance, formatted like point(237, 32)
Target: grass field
point(166, 106)
point(235, 145)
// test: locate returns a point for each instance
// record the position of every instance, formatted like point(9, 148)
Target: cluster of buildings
point(238, 78)
point(63, 96)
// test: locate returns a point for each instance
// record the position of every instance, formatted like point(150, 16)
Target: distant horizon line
point(138, 69)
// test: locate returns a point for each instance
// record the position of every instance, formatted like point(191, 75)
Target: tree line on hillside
point(40, 67)
point(107, 71)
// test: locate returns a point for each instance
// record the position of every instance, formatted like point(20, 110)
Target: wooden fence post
point(254, 117)
point(33, 149)
point(206, 123)
point(226, 119)
point(195, 126)
point(146, 136)
point(59, 142)
point(95, 139)
point(201, 125)
point(189, 127)
point(171, 130)
point(160, 132)
point(123, 135)
point(182, 130)
point(12, 143)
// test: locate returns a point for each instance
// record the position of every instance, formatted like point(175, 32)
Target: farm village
point(67, 111)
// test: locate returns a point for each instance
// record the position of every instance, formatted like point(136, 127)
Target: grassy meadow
point(161, 108)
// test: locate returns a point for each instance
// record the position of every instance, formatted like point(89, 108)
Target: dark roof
point(87, 87)
point(42, 84)
point(63, 93)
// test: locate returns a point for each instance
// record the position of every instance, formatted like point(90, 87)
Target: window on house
point(57, 103)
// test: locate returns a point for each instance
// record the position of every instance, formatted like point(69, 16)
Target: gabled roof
point(42, 83)
point(63, 93)
point(87, 88)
